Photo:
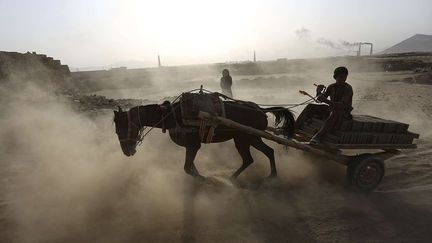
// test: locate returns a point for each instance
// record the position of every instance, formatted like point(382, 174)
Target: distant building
point(118, 69)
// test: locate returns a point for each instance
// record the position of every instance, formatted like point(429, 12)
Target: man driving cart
point(337, 107)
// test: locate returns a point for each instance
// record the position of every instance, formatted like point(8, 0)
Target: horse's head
point(128, 127)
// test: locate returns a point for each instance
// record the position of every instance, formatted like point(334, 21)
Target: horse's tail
point(284, 117)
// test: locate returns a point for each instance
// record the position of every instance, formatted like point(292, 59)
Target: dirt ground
point(64, 178)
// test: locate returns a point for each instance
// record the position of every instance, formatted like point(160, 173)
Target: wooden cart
point(365, 170)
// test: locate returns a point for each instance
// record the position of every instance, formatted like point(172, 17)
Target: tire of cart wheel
point(365, 172)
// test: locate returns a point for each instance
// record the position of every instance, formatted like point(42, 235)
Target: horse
point(129, 125)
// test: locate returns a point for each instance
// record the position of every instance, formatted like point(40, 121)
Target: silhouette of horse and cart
point(200, 117)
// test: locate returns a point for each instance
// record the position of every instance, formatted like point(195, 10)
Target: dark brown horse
point(168, 116)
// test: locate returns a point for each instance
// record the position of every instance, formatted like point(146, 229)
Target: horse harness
point(132, 124)
point(165, 114)
point(178, 129)
point(184, 130)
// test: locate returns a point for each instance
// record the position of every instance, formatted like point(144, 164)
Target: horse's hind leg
point(268, 151)
point(189, 166)
point(243, 147)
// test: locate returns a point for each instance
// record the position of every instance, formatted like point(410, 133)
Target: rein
point(141, 129)
point(162, 120)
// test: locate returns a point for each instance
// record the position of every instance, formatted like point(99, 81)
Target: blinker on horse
point(129, 127)
point(128, 134)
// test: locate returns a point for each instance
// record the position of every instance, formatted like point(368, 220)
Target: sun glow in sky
point(187, 28)
point(98, 33)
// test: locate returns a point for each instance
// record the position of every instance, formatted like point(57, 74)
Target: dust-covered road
point(65, 179)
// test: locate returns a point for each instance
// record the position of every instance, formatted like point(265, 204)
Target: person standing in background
point(226, 83)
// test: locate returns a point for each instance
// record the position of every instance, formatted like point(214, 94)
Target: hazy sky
point(101, 32)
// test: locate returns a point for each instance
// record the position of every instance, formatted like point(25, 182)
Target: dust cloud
point(65, 179)
point(64, 172)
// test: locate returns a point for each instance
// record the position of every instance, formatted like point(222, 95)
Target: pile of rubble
point(31, 66)
point(98, 102)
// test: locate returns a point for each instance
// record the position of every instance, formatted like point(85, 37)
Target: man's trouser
point(319, 111)
point(333, 118)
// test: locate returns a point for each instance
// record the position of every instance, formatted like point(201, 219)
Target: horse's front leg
point(189, 166)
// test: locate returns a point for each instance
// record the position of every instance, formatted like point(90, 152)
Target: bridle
point(141, 129)
point(131, 124)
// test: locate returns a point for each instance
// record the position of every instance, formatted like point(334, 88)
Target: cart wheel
point(365, 172)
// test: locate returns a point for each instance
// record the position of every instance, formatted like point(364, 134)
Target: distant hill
point(416, 43)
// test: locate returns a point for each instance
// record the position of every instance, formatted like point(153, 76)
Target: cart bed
point(362, 132)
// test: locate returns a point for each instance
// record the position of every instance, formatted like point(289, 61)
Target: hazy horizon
point(102, 33)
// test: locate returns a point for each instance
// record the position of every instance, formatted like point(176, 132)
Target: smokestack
point(159, 62)
point(365, 43)
point(254, 56)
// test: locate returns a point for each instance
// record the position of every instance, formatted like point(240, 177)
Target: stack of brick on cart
point(363, 129)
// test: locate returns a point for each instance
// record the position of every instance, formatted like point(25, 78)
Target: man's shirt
point(341, 93)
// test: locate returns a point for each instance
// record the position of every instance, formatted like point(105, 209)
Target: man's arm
point(346, 100)
point(347, 97)
point(322, 97)
point(333, 104)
